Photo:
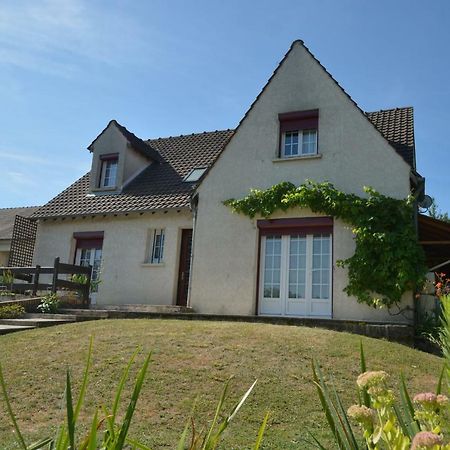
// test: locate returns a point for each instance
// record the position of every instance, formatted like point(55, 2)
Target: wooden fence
point(31, 277)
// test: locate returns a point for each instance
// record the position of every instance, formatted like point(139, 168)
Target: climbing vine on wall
point(388, 260)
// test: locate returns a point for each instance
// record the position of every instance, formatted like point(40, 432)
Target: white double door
point(295, 277)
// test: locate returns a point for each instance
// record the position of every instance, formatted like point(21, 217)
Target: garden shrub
point(49, 304)
point(11, 311)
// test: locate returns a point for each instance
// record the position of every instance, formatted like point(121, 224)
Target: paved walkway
point(30, 321)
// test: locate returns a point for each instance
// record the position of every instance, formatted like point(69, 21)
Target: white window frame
point(300, 152)
point(104, 168)
point(156, 246)
point(283, 305)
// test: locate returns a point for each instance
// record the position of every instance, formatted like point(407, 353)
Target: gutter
point(194, 209)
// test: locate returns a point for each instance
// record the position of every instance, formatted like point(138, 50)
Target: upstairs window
point(108, 170)
point(298, 133)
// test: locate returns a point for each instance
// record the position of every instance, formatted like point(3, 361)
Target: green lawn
point(194, 358)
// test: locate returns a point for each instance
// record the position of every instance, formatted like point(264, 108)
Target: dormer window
point(108, 170)
point(298, 133)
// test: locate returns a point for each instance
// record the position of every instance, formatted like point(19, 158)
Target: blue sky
point(172, 67)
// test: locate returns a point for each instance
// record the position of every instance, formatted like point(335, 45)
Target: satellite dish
point(426, 202)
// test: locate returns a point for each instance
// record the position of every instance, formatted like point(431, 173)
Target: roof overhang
point(434, 236)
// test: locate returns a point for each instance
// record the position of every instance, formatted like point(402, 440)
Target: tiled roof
point(159, 186)
point(397, 126)
point(138, 144)
point(8, 215)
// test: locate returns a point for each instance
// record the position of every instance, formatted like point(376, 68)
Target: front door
point(184, 267)
point(91, 257)
point(295, 275)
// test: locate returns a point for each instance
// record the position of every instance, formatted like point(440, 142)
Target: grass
point(193, 358)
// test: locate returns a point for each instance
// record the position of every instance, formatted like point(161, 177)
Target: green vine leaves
point(388, 260)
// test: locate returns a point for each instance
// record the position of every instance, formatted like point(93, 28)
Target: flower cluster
point(442, 285)
point(381, 425)
point(425, 440)
point(362, 414)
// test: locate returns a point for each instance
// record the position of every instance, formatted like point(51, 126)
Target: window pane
point(272, 266)
point(109, 172)
point(291, 139)
point(297, 266)
point(321, 265)
point(309, 141)
point(157, 247)
point(316, 291)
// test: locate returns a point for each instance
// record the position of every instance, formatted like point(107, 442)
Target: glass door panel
point(296, 275)
point(271, 275)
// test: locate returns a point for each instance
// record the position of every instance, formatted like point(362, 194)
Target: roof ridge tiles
point(200, 133)
point(19, 207)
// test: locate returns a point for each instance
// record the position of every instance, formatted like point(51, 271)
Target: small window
point(157, 246)
point(298, 133)
point(108, 171)
point(299, 143)
point(194, 174)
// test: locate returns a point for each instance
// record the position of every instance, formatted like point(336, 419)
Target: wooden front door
point(184, 267)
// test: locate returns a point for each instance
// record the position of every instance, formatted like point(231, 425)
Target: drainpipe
point(418, 196)
point(194, 208)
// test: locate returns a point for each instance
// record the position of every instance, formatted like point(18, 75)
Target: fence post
point(55, 275)
point(36, 279)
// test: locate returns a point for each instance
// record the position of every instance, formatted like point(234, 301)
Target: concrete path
point(30, 321)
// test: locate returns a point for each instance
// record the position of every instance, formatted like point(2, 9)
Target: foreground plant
point(106, 432)
point(419, 423)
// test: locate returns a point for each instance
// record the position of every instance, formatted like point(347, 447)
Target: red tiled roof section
point(159, 186)
point(184, 153)
point(397, 126)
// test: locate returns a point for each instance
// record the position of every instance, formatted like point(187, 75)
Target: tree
point(436, 213)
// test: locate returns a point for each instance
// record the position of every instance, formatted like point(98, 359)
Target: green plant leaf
point(92, 444)
point(441, 379)
point(365, 395)
point(137, 444)
point(40, 444)
point(207, 444)
point(70, 414)
point(85, 380)
point(20, 438)
point(411, 424)
point(132, 405)
point(335, 422)
point(261, 431)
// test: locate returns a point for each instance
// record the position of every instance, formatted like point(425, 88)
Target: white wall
point(353, 155)
point(126, 279)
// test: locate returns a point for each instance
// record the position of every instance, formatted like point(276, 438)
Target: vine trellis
point(388, 260)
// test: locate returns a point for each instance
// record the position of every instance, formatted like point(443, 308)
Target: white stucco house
point(151, 213)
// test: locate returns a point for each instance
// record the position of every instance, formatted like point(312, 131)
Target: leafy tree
point(436, 213)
